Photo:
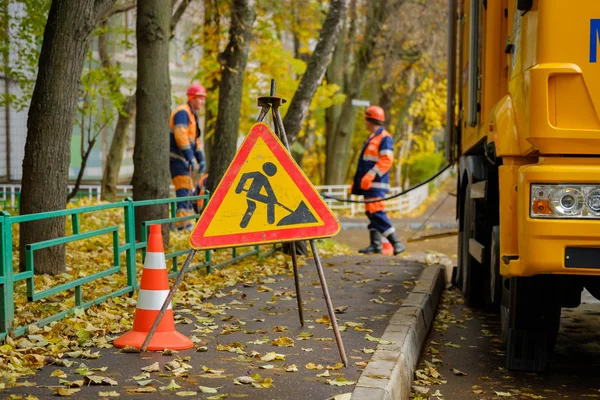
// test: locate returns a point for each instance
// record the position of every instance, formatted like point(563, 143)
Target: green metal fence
point(125, 248)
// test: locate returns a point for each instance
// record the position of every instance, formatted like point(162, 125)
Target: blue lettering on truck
point(594, 39)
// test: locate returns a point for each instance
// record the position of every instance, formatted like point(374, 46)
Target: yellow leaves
point(283, 341)
point(312, 366)
point(323, 320)
point(271, 356)
point(63, 392)
point(374, 339)
point(335, 367)
point(234, 347)
point(155, 367)
point(261, 383)
point(109, 394)
point(58, 374)
point(291, 368)
point(213, 371)
point(206, 389)
point(171, 386)
point(341, 381)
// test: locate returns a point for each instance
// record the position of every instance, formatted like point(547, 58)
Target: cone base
point(160, 341)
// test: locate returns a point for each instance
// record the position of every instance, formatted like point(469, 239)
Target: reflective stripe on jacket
point(184, 136)
point(376, 158)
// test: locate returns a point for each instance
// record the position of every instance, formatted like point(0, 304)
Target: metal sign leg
point(165, 305)
point(330, 310)
point(297, 283)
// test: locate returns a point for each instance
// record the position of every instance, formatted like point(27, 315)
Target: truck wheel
point(471, 273)
point(531, 322)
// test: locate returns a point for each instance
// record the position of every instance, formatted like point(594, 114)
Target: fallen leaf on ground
point(341, 381)
point(109, 394)
point(458, 372)
point(206, 389)
point(323, 320)
point(171, 386)
point(186, 394)
point(312, 365)
point(63, 392)
point(292, 368)
point(283, 341)
point(152, 367)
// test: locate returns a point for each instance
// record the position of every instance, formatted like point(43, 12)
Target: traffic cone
point(387, 246)
point(154, 289)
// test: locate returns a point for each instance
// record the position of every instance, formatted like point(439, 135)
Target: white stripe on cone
point(152, 299)
point(155, 261)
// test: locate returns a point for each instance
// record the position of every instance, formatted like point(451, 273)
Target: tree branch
point(118, 9)
point(178, 13)
point(101, 7)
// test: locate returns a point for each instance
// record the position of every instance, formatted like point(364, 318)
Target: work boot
point(375, 246)
point(395, 241)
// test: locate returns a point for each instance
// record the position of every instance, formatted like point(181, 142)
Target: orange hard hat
point(376, 113)
point(196, 90)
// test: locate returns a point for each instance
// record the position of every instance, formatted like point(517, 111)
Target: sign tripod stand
point(267, 103)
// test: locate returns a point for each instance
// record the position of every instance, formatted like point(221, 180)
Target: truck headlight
point(565, 201)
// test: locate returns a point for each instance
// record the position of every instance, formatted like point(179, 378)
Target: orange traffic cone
point(387, 246)
point(154, 289)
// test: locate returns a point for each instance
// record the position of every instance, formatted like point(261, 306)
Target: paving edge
point(389, 373)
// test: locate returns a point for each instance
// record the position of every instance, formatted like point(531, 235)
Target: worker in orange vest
point(185, 154)
point(372, 180)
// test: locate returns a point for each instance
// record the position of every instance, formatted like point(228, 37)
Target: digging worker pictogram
point(185, 154)
point(253, 194)
point(260, 184)
point(372, 180)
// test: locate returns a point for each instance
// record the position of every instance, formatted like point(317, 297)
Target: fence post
point(130, 243)
point(7, 300)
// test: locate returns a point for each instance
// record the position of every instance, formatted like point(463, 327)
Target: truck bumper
point(555, 246)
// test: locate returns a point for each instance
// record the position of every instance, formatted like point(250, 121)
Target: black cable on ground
point(410, 189)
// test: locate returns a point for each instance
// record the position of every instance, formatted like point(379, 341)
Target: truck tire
point(471, 273)
point(530, 322)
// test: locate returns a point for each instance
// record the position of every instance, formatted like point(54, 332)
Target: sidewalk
point(235, 331)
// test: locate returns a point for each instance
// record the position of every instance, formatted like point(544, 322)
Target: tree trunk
point(335, 75)
point(151, 154)
point(337, 160)
point(211, 35)
point(315, 70)
point(233, 61)
point(114, 158)
point(50, 125)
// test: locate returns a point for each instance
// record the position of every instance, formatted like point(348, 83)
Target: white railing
point(404, 204)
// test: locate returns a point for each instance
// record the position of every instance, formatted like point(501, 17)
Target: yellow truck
point(524, 130)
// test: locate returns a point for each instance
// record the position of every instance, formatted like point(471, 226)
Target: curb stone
point(389, 373)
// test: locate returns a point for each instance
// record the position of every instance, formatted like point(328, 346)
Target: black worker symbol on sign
point(261, 191)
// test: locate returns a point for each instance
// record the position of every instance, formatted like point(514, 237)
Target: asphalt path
point(369, 288)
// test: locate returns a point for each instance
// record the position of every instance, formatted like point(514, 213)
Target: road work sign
point(264, 197)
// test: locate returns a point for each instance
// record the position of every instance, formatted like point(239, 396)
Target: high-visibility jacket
point(185, 136)
point(375, 158)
